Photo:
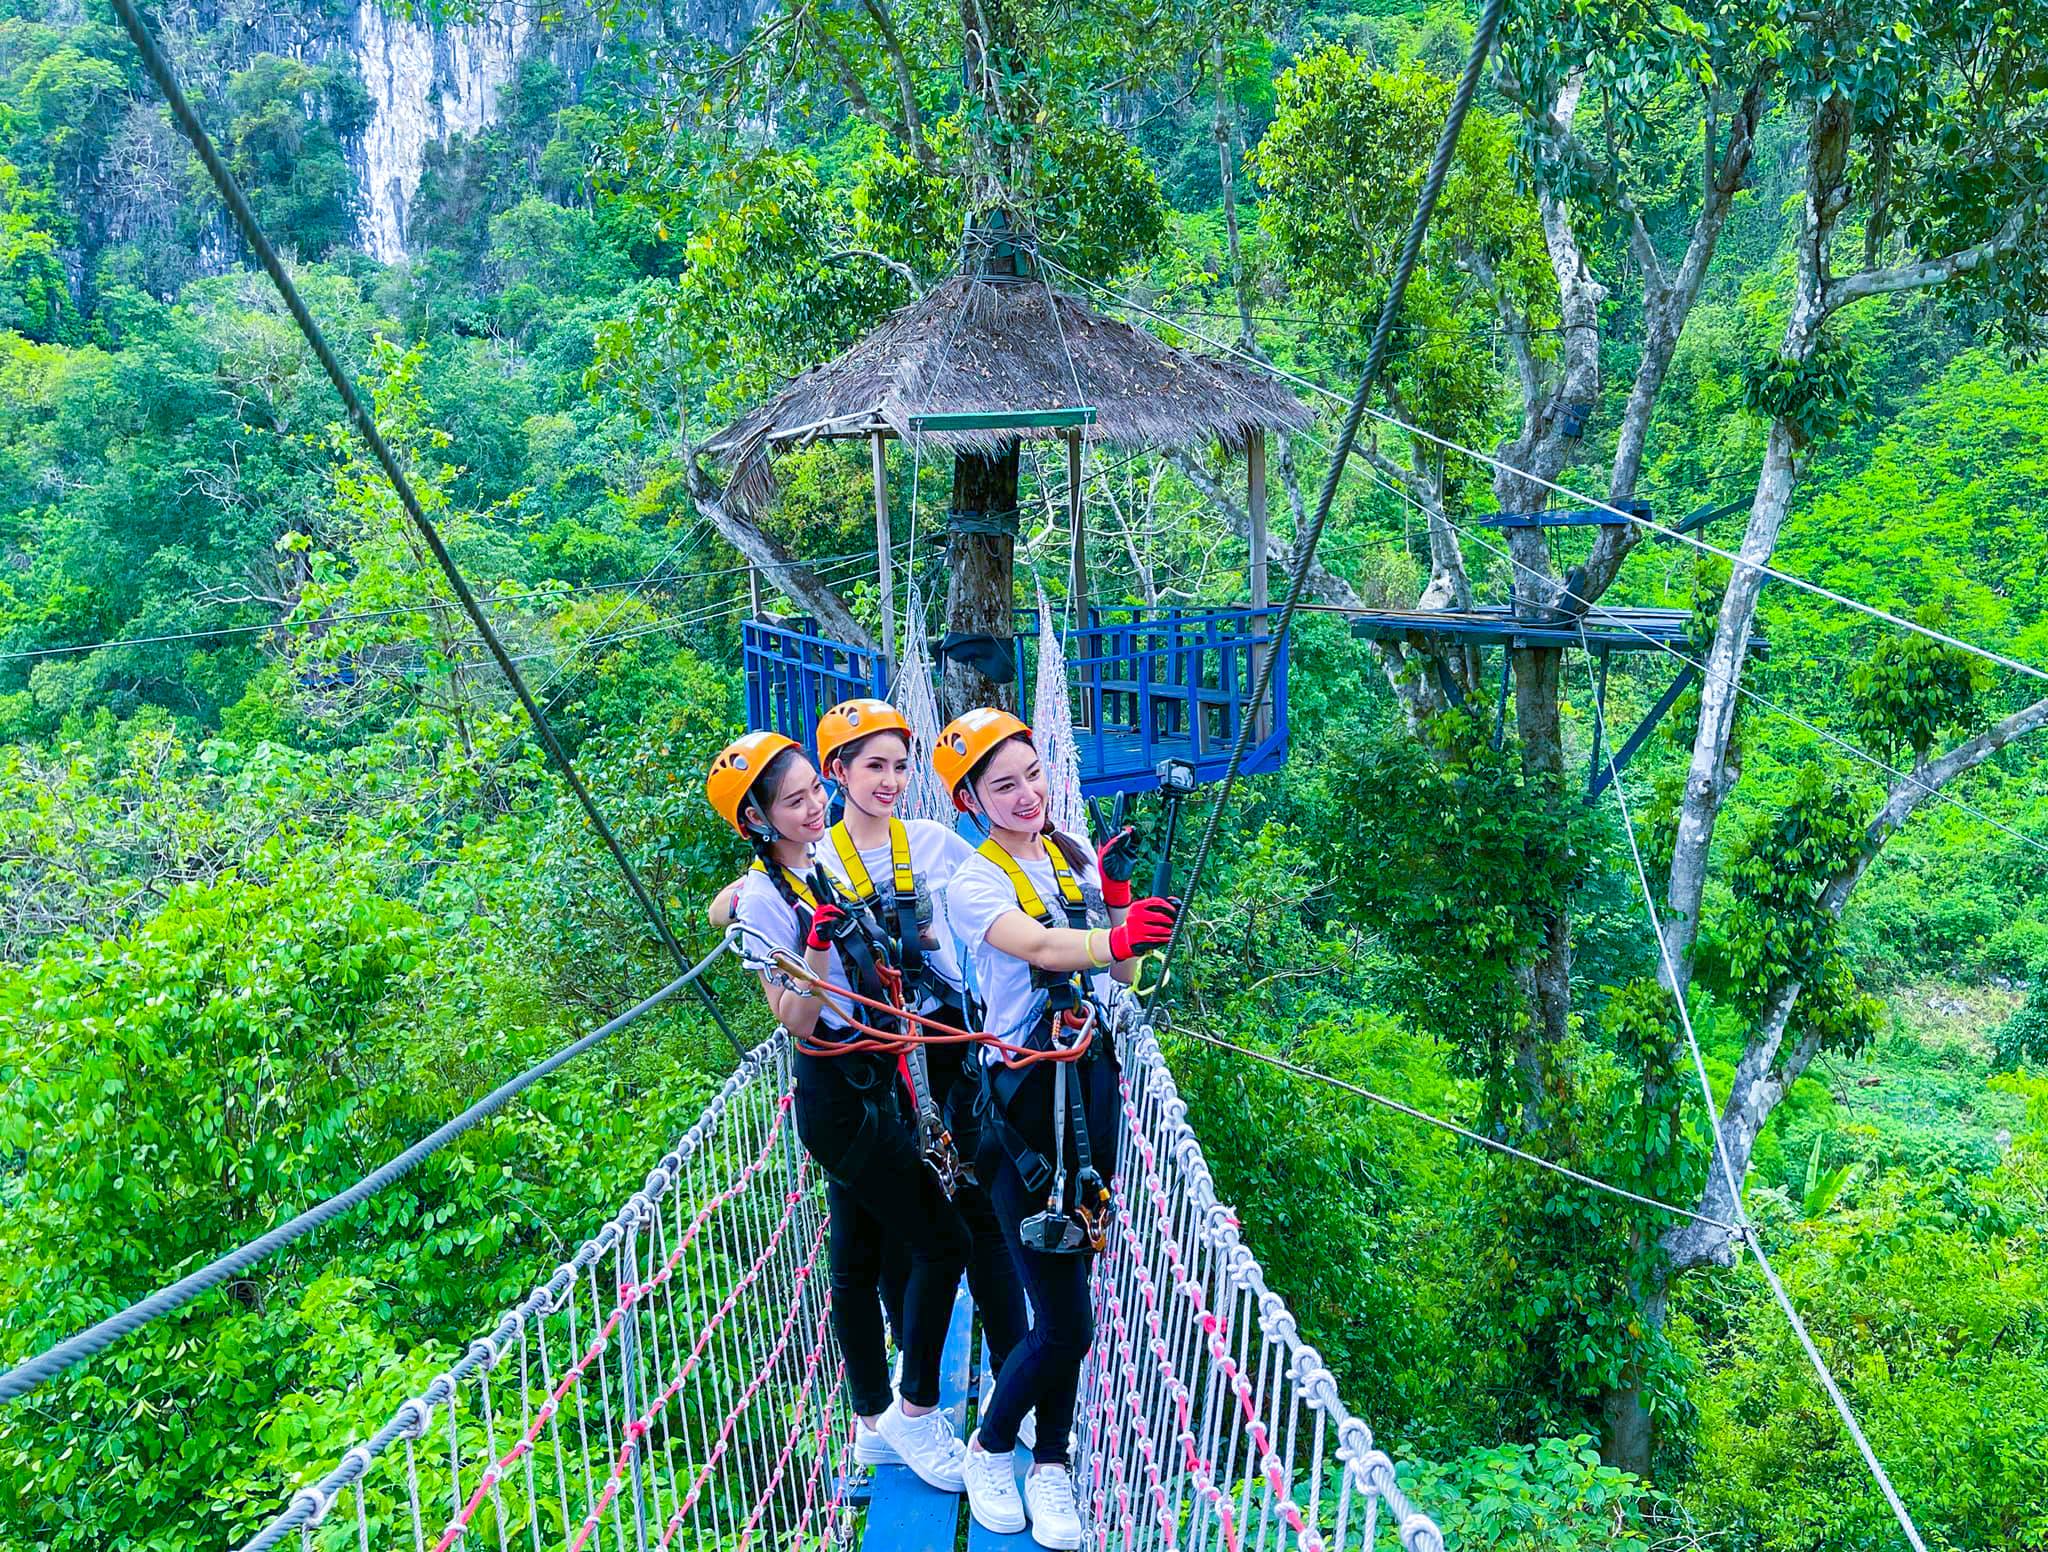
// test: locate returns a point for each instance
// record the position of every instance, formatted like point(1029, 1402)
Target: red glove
point(1114, 861)
point(1148, 926)
point(829, 923)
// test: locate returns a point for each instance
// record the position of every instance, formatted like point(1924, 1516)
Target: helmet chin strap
point(757, 823)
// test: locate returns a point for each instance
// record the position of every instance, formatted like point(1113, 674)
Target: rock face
point(430, 80)
point(426, 82)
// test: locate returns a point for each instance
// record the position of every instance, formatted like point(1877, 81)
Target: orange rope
point(897, 1042)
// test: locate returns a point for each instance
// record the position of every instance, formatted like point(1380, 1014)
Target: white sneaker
point(1055, 1522)
point(992, 1490)
point(926, 1444)
point(871, 1449)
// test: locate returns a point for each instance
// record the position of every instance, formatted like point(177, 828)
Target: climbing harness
point(1066, 1023)
point(934, 1138)
point(1058, 1231)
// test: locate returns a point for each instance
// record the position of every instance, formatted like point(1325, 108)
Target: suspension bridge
point(674, 1382)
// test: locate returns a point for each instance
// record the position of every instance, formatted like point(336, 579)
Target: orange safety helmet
point(857, 718)
point(966, 742)
point(738, 766)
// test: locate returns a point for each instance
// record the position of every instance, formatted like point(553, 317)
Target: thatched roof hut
point(995, 344)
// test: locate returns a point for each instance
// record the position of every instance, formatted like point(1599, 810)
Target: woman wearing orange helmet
point(1038, 915)
point(899, 870)
point(848, 1113)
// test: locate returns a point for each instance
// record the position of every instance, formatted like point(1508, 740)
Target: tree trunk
point(980, 595)
point(1629, 1432)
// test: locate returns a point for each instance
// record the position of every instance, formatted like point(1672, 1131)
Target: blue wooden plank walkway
point(980, 1539)
point(904, 1515)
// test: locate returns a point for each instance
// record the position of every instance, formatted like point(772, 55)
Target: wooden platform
point(904, 1515)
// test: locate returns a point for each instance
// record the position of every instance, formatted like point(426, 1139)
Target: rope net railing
point(674, 1384)
point(1206, 1421)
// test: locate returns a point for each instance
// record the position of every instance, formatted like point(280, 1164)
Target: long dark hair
point(1078, 856)
point(761, 798)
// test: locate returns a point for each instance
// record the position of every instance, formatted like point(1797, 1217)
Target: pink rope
point(1201, 1469)
point(739, 1407)
point(796, 1425)
point(629, 1297)
point(641, 1425)
point(824, 1440)
point(1123, 1351)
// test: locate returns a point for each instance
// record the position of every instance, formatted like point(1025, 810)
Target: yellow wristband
point(1100, 964)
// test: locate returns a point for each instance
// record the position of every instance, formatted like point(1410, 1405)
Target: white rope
point(924, 796)
point(1593, 502)
point(1745, 1229)
point(1052, 724)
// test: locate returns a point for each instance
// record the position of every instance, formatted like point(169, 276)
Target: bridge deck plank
point(904, 1515)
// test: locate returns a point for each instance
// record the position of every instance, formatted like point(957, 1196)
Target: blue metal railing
point(794, 674)
point(1148, 686)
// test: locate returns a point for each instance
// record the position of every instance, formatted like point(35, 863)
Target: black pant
point(1044, 1370)
point(879, 1190)
point(992, 1274)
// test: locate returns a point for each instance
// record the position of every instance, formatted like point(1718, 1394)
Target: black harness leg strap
point(1033, 1167)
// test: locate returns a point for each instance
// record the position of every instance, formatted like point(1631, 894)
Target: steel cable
point(159, 69)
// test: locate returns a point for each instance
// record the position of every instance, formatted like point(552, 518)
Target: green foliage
point(1913, 690)
point(1812, 398)
point(285, 145)
point(262, 960)
point(1461, 859)
point(766, 290)
point(2022, 1040)
point(1550, 1496)
point(1779, 928)
point(34, 299)
point(1927, 1299)
point(1339, 171)
point(1099, 204)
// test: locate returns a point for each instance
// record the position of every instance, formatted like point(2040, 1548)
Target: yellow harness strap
point(1028, 900)
point(797, 886)
point(857, 878)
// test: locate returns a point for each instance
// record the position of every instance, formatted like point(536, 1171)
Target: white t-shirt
point(982, 895)
point(936, 854)
point(768, 919)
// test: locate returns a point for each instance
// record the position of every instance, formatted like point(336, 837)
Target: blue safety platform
point(906, 1515)
point(1148, 686)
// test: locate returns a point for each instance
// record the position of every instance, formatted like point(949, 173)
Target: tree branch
point(857, 95)
point(897, 267)
point(796, 580)
point(1918, 786)
point(1324, 587)
point(1933, 272)
point(906, 85)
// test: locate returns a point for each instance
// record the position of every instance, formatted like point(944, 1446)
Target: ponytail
point(1078, 856)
